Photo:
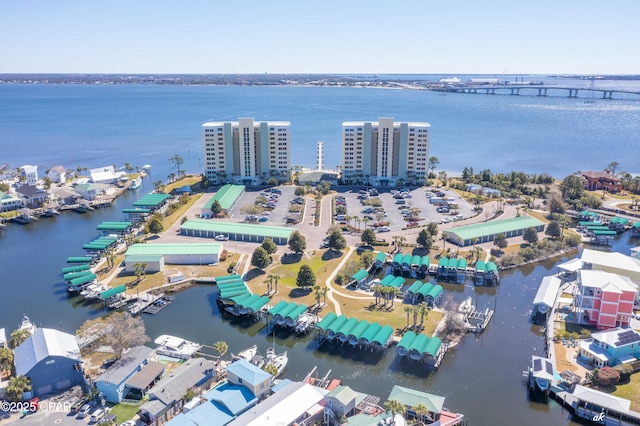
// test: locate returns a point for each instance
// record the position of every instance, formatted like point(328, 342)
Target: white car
point(384, 229)
point(221, 238)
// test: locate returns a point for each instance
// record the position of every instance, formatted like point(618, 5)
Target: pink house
point(604, 299)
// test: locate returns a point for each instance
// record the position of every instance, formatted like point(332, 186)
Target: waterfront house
point(596, 180)
point(611, 347)
point(113, 382)
point(88, 191)
point(57, 174)
point(292, 403)
point(32, 196)
point(51, 360)
point(166, 397)
point(105, 174)
point(217, 407)
point(9, 202)
point(65, 195)
point(342, 401)
point(30, 174)
point(155, 256)
point(604, 299)
point(3, 338)
point(411, 398)
point(545, 298)
point(613, 262)
point(251, 377)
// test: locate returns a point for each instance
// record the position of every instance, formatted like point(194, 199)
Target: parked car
point(402, 201)
point(362, 249)
point(384, 229)
point(86, 409)
point(78, 404)
point(410, 224)
point(98, 415)
point(221, 238)
point(263, 218)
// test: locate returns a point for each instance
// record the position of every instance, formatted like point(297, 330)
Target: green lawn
point(125, 411)
point(630, 391)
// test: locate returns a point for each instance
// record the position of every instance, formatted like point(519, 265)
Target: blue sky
point(278, 36)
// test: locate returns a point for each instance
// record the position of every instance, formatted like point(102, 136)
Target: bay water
point(95, 125)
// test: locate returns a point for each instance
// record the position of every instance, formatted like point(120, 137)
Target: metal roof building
point(227, 196)
point(157, 255)
point(486, 231)
point(236, 231)
point(51, 360)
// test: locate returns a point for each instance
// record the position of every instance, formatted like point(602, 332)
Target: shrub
point(608, 377)
point(625, 371)
point(231, 267)
point(223, 255)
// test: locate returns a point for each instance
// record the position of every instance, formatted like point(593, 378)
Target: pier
point(144, 301)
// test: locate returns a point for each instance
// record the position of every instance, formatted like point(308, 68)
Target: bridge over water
point(541, 90)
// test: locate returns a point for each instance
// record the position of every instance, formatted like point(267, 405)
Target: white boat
point(176, 347)
point(258, 361)
point(467, 306)
point(147, 167)
point(27, 325)
point(247, 354)
point(303, 324)
point(279, 361)
point(92, 292)
point(135, 184)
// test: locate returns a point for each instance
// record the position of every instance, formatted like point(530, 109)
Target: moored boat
point(279, 361)
point(247, 354)
point(176, 347)
point(135, 184)
point(26, 324)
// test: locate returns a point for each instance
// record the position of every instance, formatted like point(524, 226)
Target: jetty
point(159, 305)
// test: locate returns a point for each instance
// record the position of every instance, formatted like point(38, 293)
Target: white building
point(246, 152)
point(31, 174)
point(385, 153)
point(57, 174)
point(105, 174)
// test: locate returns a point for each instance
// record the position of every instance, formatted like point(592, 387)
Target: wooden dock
point(159, 305)
point(143, 302)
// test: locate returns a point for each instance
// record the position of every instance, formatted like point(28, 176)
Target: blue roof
point(235, 398)
point(248, 372)
point(209, 413)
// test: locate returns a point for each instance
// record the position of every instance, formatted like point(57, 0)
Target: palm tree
point(376, 292)
point(317, 294)
point(394, 407)
point(6, 359)
point(415, 310)
point(393, 292)
point(324, 295)
point(18, 337)
point(421, 411)
point(221, 347)
point(276, 277)
point(268, 281)
point(408, 310)
point(365, 220)
point(423, 308)
point(16, 387)
point(271, 369)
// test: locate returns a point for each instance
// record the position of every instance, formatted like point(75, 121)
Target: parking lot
point(276, 216)
point(407, 202)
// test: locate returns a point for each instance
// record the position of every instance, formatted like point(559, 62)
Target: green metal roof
point(407, 340)
point(225, 227)
point(433, 346)
point(359, 329)
point(326, 321)
point(443, 262)
point(435, 291)
point(258, 304)
point(371, 332)
point(382, 336)
point(414, 287)
point(462, 263)
point(151, 200)
point(164, 249)
point(480, 266)
point(637, 225)
point(225, 292)
point(397, 282)
point(419, 344)
point(597, 228)
point(425, 289)
point(360, 275)
point(425, 261)
point(337, 323)
point(234, 293)
point(299, 310)
point(387, 280)
point(114, 226)
point(381, 257)
point(590, 223)
point(249, 300)
point(415, 260)
point(348, 326)
point(79, 259)
point(406, 259)
point(73, 275)
point(491, 267)
point(239, 299)
point(478, 230)
point(82, 280)
point(398, 258)
point(412, 398)
point(227, 277)
point(278, 308)
point(144, 259)
point(230, 283)
point(288, 309)
point(112, 292)
point(596, 233)
point(226, 196)
point(77, 268)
